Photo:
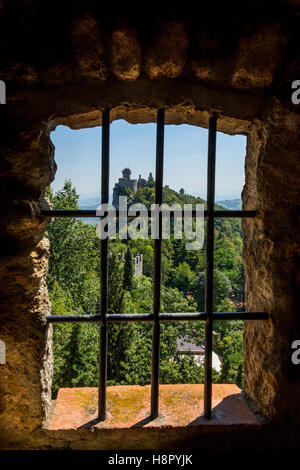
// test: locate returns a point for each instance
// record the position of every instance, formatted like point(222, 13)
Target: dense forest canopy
point(74, 288)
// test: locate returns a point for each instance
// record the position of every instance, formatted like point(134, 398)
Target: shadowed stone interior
point(236, 63)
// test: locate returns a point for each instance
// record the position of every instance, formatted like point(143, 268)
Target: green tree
point(119, 334)
point(128, 270)
point(74, 254)
point(74, 286)
point(75, 346)
point(222, 289)
point(150, 181)
point(231, 349)
point(182, 277)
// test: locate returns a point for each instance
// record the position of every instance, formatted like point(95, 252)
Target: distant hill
point(89, 203)
point(232, 204)
point(147, 196)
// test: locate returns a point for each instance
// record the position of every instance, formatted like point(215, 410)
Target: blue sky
point(78, 156)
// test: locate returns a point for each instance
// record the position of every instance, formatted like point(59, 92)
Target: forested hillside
point(232, 204)
point(74, 288)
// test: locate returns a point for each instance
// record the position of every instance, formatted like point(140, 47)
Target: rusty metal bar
point(209, 288)
point(232, 214)
point(82, 213)
point(123, 317)
point(104, 272)
point(157, 265)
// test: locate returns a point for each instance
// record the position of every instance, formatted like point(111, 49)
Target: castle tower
point(126, 173)
point(124, 182)
point(138, 265)
point(141, 183)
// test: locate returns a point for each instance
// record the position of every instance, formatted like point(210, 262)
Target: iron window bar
point(157, 264)
point(78, 213)
point(156, 317)
point(209, 265)
point(123, 317)
point(104, 271)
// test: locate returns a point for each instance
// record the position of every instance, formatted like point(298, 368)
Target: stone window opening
point(261, 400)
point(208, 316)
point(232, 62)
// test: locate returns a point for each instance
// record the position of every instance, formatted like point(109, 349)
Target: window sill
point(128, 407)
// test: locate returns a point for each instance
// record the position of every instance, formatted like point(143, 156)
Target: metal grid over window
point(156, 316)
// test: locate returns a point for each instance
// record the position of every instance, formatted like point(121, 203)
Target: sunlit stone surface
point(128, 406)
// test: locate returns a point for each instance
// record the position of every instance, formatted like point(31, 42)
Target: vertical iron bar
point(157, 264)
point(104, 272)
point(211, 169)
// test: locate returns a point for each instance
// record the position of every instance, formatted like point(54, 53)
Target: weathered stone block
point(166, 57)
point(88, 47)
point(126, 54)
point(258, 58)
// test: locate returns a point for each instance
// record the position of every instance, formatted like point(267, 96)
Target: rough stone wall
point(235, 63)
point(27, 167)
point(271, 252)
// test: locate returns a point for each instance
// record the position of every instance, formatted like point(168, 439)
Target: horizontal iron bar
point(129, 317)
point(240, 316)
point(73, 318)
point(93, 213)
point(182, 316)
point(233, 214)
point(216, 316)
point(123, 317)
point(96, 318)
point(69, 213)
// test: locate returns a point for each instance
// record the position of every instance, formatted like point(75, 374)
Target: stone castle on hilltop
point(126, 182)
